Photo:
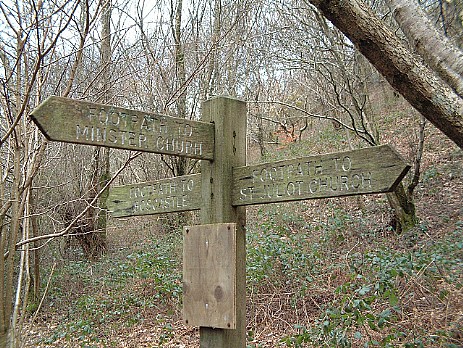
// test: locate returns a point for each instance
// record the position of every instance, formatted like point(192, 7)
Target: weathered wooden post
point(229, 118)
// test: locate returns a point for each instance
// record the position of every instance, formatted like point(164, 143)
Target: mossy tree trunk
point(404, 209)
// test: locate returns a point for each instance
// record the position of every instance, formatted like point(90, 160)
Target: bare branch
point(303, 111)
point(82, 213)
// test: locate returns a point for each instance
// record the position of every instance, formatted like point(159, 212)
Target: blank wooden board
point(209, 275)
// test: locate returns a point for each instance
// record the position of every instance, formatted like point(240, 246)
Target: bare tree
point(322, 76)
point(92, 233)
point(30, 49)
point(418, 84)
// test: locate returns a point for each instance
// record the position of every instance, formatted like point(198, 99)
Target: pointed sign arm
point(370, 170)
point(82, 122)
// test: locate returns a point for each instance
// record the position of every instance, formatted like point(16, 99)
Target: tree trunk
point(4, 339)
point(36, 253)
point(213, 71)
point(92, 238)
point(404, 209)
point(437, 50)
point(92, 231)
point(105, 173)
point(3, 245)
point(418, 84)
point(5, 331)
point(418, 157)
point(180, 162)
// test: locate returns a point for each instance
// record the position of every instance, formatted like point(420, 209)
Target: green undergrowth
point(363, 291)
point(278, 257)
point(116, 292)
point(369, 294)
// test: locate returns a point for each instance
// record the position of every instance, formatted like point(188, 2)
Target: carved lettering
point(329, 176)
point(81, 132)
point(108, 125)
point(176, 194)
point(346, 163)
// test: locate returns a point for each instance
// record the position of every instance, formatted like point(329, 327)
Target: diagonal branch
point(419, 85)
point(82, 213)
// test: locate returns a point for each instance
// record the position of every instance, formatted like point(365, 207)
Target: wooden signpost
point(370, 170)
point(81, 122)
point(214, 259)
point(182, 193)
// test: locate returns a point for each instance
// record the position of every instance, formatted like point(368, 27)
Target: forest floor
point(324, 273)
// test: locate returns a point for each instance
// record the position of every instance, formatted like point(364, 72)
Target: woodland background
point(382, 270)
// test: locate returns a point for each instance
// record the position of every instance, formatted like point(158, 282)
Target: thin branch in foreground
point(305, 112)
point(82, 213)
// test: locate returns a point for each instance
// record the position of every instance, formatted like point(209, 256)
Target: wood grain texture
point(229, 118)
point(369, 170)
point(182, 193)
point(209, 275)
point(81, 122)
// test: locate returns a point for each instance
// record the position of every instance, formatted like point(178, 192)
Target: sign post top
point(82, 122)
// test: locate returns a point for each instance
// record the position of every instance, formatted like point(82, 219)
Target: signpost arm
point(229, 118)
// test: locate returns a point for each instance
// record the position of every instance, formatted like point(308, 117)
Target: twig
point(44, 293)
point(76, 219)
point(305, 112)
point(347, 254)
